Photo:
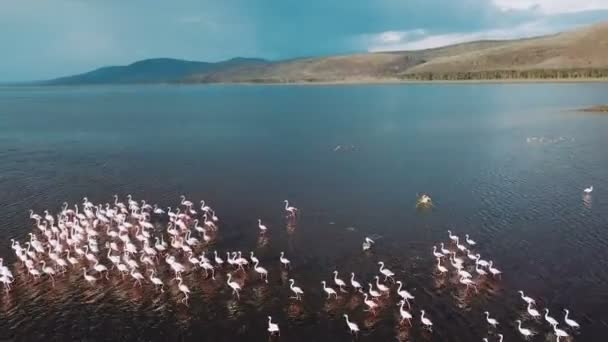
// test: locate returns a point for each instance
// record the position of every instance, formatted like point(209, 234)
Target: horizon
point(84, 36)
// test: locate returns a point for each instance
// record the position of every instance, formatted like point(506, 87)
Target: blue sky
point(44, 39)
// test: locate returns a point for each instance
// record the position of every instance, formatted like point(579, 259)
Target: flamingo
point(425, 321)
point(356, 285)
point(100, 268)
point(329, 291)
point(468, 282)
point(262, 227)
point(291, 211)
point(370, 303)
point(491, 321)
point(570, 322)
point(385, 271)
point(234, 285)
point(437, 254)
point(533, 312)
point(218, 260)
point(273, 327)
point(185, 203)
point(373, 292)
point(156, 280)
point(404, 314)
point(549, 319)
point(367, 244)
point(524, 331)
point(354, 328)
point(443, 250)
point(526, 299)
point(296, 290)
point(284, 260)
point(261, 271)
point(588, 190)
point(382, 287)
point(339, 281)
point(404, 294)
point(469, 241)
point(48, 270)
point(559, 333)
point(452, 237)
point(87, 277)
point(441, 269)
point(137, 276)
point(184, 289)
point(495, 271)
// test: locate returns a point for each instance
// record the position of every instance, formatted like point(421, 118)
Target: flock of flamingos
point(119, 239)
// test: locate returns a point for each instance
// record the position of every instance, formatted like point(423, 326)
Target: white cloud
point(552, 6)
point(420, 39)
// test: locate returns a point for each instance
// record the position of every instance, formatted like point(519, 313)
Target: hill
point(573, 54)
point(155, 70)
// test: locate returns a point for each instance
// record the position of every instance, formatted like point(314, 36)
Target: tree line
point(509, 74)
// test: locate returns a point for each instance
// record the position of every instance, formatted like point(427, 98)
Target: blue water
point(505, 163)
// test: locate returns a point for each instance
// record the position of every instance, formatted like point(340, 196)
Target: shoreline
point(402, 81)
point(354, 82)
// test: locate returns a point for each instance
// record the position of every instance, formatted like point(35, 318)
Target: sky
point(51, 38)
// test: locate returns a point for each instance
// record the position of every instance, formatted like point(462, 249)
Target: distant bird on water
point(588, 190)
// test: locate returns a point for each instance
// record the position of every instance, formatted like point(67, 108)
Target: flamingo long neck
point(352, 277)
point(422, 316)
point(287, 206)
point(400, 285)
point(401, 308)
point(567, 312)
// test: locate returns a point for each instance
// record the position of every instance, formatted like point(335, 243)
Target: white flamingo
point(425, 321)
point(570, 322)
point(526, 299)
point(437, 254)
point(491, 321)
point(367, 244)
point(296, 290)
point(262, 227)
point(354, 328)
point(440, 268)
point(234, 285)
point(469, 241)
point(261, 271)
point(87, 277)
point(588, 190)
point(329, 291)
point(339, 282)
point(405, 315)
point(385, 271)
point(273, 328)
point(291, 211)
point(284, 260)
point(549, 319)
point(370, 303)
point(526, 333)
point(533, 312)
point(404, 294)
point(356, 285)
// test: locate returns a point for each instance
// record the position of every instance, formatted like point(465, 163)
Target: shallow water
point(504, 163)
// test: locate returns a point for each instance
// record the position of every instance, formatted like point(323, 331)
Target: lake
point(505, 163)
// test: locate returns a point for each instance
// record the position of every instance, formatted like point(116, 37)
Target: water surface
point(504, 163)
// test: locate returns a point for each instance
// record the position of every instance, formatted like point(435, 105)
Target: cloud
point(420, 39)
point(551, 7)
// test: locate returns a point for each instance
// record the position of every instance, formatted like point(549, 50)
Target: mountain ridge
point(572, 54)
